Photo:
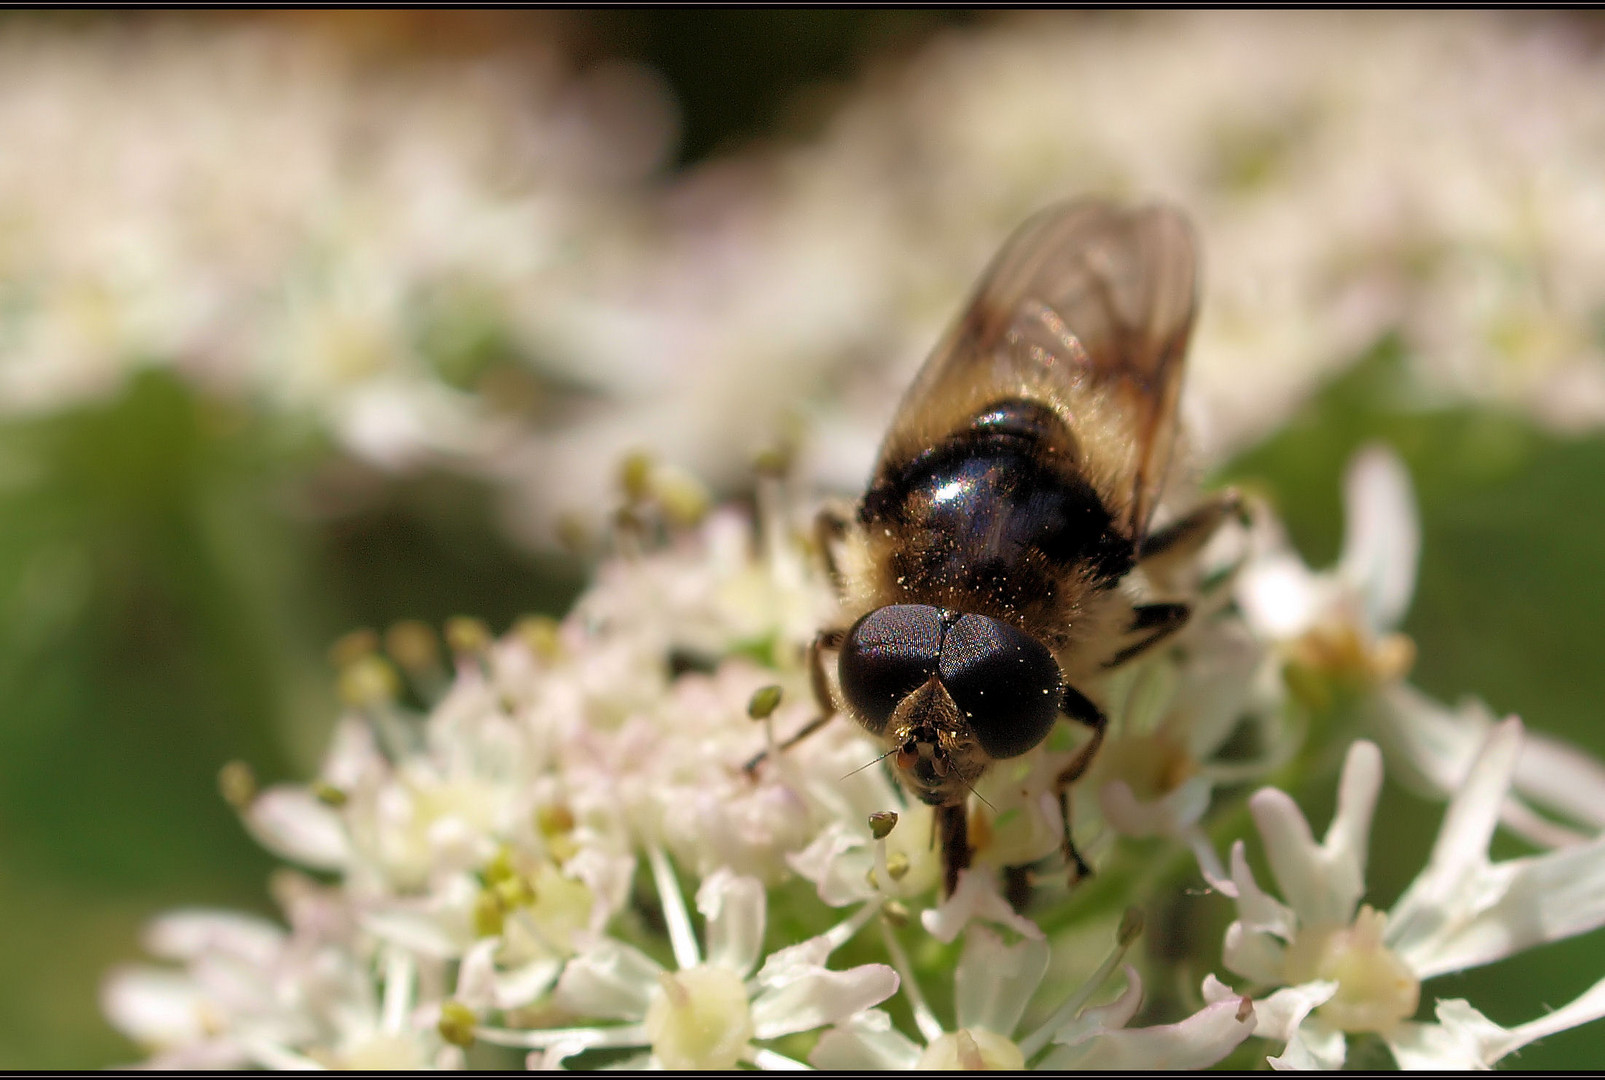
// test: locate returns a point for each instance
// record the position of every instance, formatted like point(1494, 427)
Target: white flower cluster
point(270, 216)
point(507, 865)
point(1350, 175)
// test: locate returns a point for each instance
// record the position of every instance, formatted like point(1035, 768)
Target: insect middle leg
point(829, 639)
point(1176, 544)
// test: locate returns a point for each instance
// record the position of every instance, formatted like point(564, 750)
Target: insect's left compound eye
point(1005, 680)
point(888, 655)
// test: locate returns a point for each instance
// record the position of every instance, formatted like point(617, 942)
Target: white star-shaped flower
point(1347, 968)
point(1339, 628)
point(709, 1013)
point(993, 985)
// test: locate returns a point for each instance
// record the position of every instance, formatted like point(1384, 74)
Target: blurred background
point(318, 321)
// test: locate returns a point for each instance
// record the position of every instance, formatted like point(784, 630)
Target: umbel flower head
point(505, 870)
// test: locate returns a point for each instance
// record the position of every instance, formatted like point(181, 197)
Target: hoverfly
point(985, 570)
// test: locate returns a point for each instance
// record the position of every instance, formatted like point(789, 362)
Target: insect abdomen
point(997, 515)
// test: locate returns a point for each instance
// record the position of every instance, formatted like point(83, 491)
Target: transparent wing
point(1088, 306)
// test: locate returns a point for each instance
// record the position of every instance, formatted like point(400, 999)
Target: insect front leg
point(1082, 711)
point(953, 831)
point(827, 640)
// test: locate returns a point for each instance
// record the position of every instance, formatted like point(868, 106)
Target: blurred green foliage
point(166, 598)
point(150, 629)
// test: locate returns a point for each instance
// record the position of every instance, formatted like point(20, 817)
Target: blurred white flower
point(255, 209)
point(1442, 191)
point(251, 994)
point(1348, 968)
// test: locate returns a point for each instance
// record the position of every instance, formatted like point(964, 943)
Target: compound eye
point(888, 654)
point(1006, 682)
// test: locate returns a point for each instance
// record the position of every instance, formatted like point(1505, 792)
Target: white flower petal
point(1586, 1008)
point(866, 1042)
point(1257, 909)
point(291, 822)
point(823, 997)
point(608, 876)
point(1534, 828)
point(194, 932)
point(1279, 596)
point(1254, 955)
point(1381, 535)
point(1168, 815)
point(837, 862)
point(521, 985)
point(1561, 777)
point(1432, 747)
point(1197, 1042)
point(1420, 1047)
point(552, 1058)
point(1465, 1039)
point(476, 975)
point(420, 931)
point(975, 899)
point(353, 754)
point(1348, 838)
point(994, 982)
point(734, 908)
point(1314, 1046)
point(609, 980)
point(1510, 907)
point(1215, 991)
point(1117, 1014)
point(1323, 883)
point(208, 1055)
point(1281, 1014)
point(773, 1061)
point(795, 961)
point(155, 1007)
point(1443, 893)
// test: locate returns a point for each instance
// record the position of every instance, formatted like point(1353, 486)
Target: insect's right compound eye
point(888, 654)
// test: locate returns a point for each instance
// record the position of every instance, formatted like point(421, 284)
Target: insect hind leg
point(1082, 711)
point(1155, 622)
point(830, 528)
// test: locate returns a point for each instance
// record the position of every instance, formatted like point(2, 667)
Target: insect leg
point(953, 825)
point(1176, 544)
point(829, 529)
point(1018, 884)
point(1155, 622)
point(829, 639)
point(1082, 711)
